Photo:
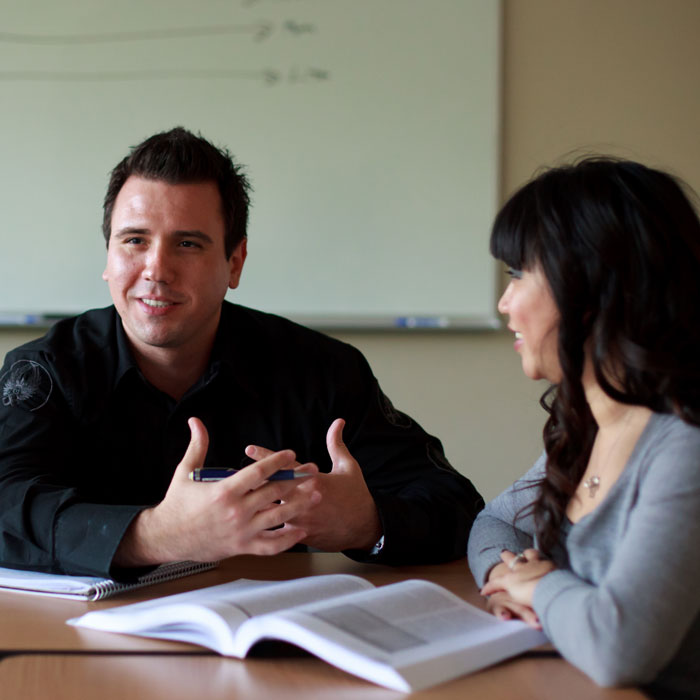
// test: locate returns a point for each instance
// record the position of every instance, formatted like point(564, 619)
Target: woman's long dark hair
point(619, 244)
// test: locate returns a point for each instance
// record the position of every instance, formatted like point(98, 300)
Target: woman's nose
point(503, 301)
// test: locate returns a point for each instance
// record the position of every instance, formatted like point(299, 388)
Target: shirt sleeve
point(46, 524)
point(425, 506)
point(504, 524)
point(628, 627)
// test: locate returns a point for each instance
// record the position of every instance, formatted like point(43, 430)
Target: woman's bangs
point(514, 238)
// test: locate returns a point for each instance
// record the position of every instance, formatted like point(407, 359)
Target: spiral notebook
point(92, 587)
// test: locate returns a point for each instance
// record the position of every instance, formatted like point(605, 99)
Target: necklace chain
point(592, 483)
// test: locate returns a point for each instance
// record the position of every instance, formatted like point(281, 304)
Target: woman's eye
point(514, 274)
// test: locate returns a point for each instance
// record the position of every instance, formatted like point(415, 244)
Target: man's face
point(166, 266)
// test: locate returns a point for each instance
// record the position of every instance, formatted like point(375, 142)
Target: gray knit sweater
point(624, 604)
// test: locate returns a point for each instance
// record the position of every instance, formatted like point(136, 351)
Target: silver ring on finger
point(517, 559)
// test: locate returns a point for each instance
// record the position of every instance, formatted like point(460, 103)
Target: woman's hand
point(511, 585)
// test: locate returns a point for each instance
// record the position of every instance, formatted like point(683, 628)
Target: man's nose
point(159, 265)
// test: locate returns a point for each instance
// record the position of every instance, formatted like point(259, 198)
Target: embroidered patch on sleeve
point(27, 384)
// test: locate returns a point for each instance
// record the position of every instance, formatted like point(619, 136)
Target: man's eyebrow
point(194, 234)
point(129, 231)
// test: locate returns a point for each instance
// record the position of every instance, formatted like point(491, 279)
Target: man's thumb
point(338, 451)
point(197, 449)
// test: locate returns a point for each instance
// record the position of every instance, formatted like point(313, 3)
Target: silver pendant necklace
point(592, 484)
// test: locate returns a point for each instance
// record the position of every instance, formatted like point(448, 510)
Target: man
point(97, 415)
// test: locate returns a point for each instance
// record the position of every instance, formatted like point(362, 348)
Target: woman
point(599, 543)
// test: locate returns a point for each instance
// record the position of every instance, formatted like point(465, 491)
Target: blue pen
point(219, 474)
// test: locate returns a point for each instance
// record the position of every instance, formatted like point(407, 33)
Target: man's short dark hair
point(180, 157)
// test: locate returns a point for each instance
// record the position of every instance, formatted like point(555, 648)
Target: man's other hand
point(345, 516)
point(210, 521)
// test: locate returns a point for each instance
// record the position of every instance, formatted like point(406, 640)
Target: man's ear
point(236, 261)
point(105, 274)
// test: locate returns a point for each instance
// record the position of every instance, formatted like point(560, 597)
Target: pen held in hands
point(208, 474)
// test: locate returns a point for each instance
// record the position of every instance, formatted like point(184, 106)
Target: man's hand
point(346, 516)
point(210, 521)
point(511, 585)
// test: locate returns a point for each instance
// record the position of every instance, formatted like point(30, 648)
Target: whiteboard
point(368, 128)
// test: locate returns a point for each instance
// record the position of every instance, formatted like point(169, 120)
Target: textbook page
point(210, 616)
point(406, 636)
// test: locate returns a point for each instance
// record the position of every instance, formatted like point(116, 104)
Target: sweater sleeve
point(627, 627)
point(495, 527)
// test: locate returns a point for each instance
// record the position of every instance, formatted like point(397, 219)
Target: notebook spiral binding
point(165, 572)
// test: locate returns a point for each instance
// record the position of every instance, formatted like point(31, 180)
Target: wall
point(606, 75)
point(615, 76)
point(322, 131)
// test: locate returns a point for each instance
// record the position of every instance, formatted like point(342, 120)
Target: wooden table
point(44, 657)
point(37, 624)
point(168, 677)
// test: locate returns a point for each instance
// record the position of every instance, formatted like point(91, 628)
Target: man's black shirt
point(86, 442)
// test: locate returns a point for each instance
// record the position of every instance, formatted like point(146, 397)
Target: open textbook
point(405, 636)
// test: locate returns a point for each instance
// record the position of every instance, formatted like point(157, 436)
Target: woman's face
point(534, 318)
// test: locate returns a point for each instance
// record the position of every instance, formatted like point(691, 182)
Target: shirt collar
point(228, 356)
point(125, 363)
